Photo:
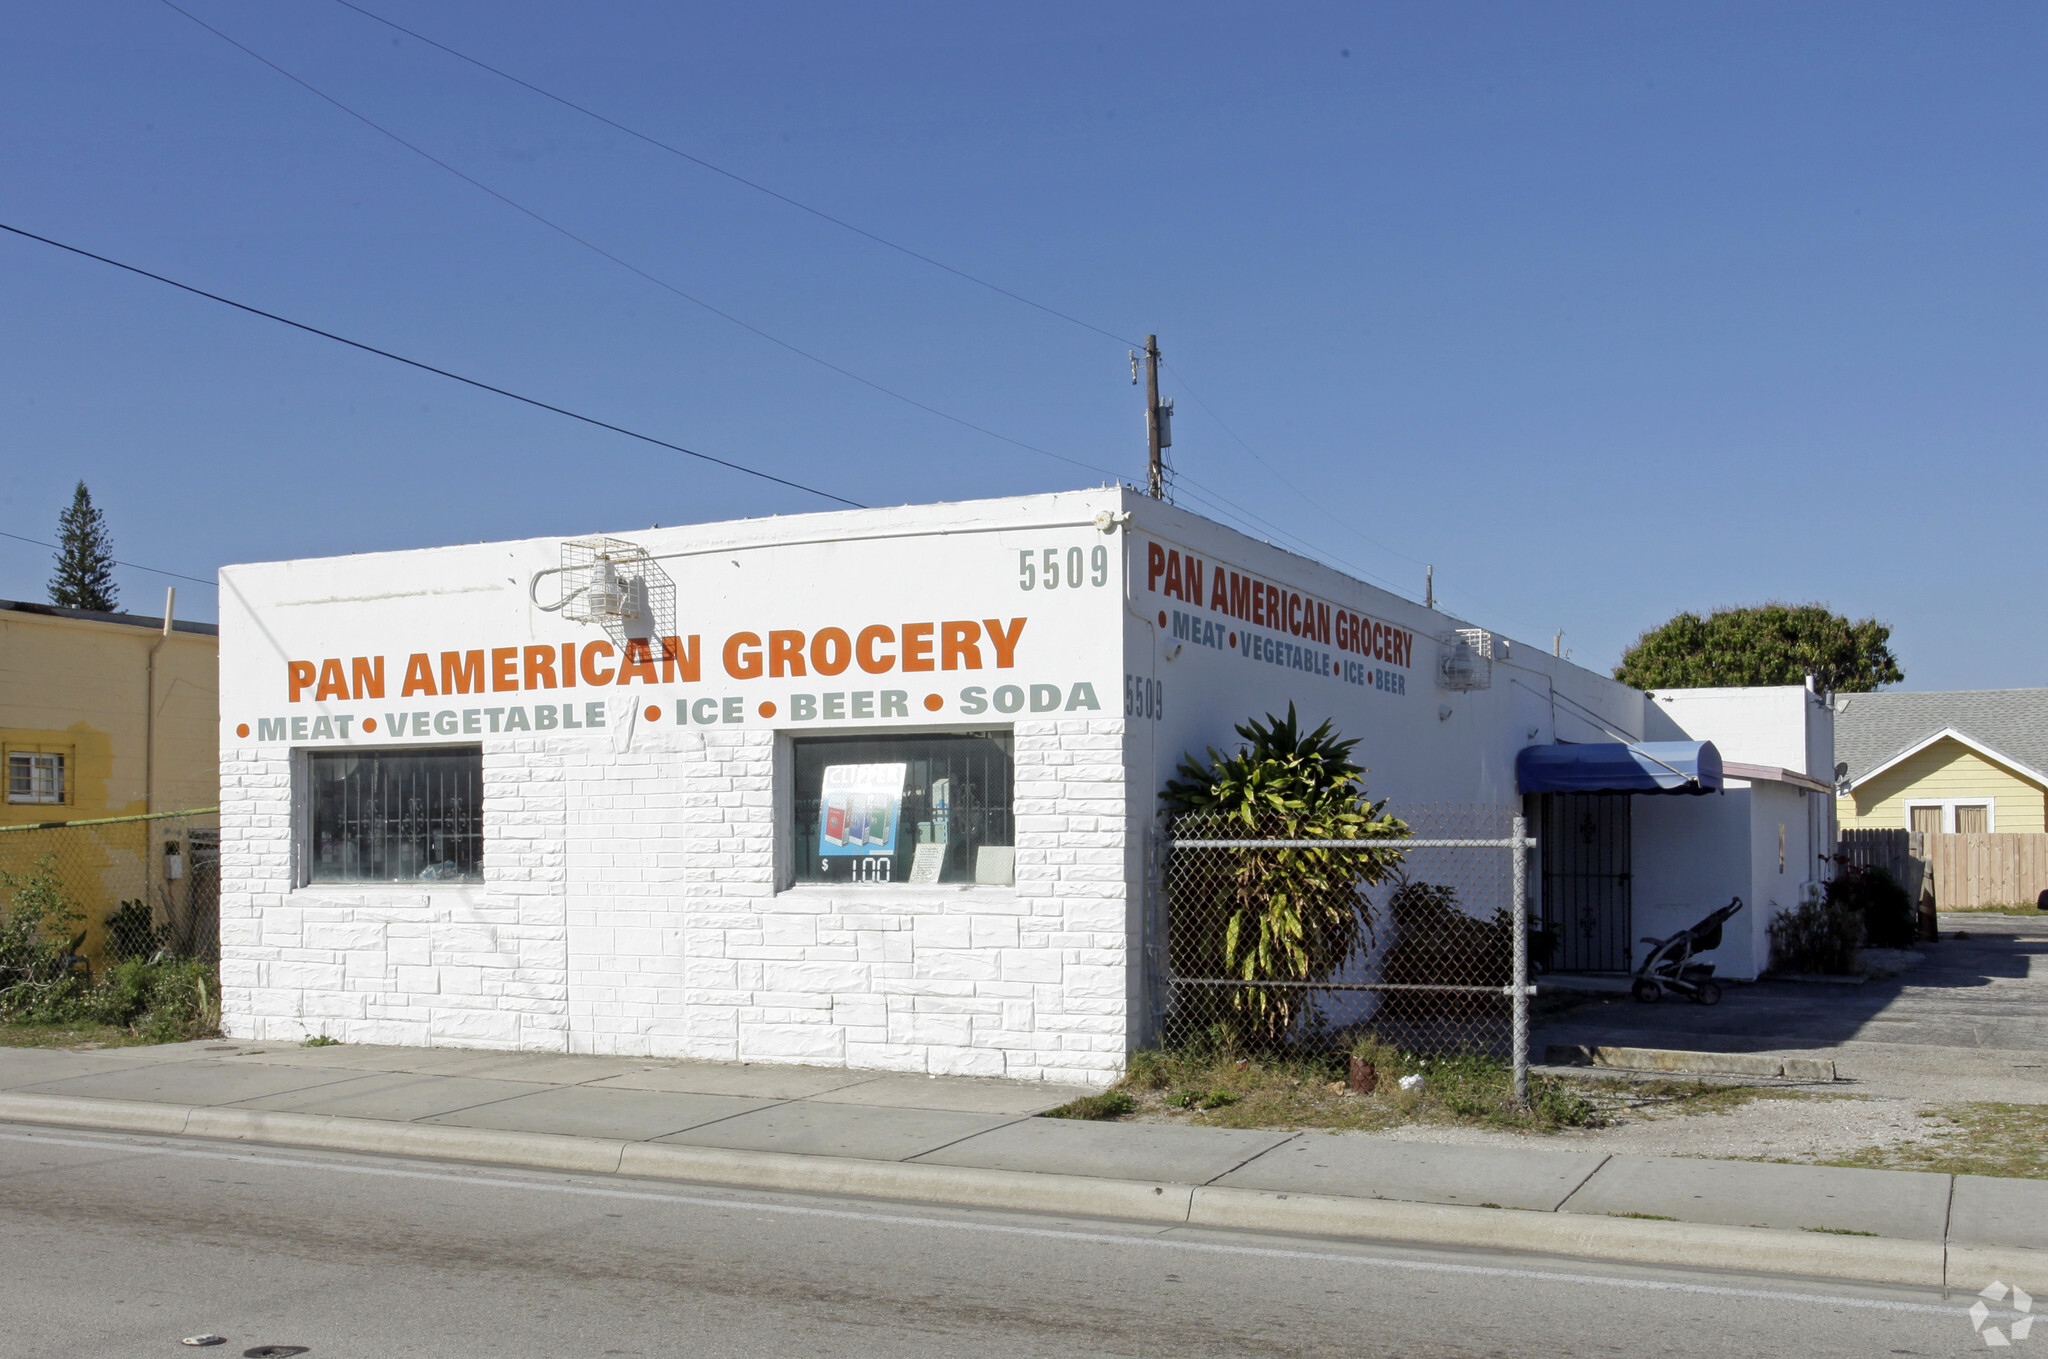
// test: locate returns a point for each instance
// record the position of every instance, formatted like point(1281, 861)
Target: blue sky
point(1605, 310)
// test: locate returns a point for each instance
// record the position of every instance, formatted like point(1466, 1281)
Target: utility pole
point(1429, 587)
point(1158, 423)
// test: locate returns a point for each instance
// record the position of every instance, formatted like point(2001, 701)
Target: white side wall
point(1693, 853)
point(630, 907)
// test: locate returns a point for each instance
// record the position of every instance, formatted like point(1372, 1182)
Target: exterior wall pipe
point(149, 705)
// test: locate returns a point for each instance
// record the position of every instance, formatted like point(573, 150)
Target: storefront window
point(904, 809)
point(395, 816)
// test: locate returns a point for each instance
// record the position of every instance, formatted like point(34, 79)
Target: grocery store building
point(880, 787)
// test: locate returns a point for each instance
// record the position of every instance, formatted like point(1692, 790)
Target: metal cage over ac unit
point(1466, 662)
point(617, 586)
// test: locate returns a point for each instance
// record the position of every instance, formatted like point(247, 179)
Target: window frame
point(1948, 806)
point(785, 800)
point(66, 772)
point(303, 831)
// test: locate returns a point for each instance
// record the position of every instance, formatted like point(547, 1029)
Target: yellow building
point(106, 715)
point(1968, 761)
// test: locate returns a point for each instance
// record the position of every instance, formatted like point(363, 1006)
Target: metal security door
point(1587, 902)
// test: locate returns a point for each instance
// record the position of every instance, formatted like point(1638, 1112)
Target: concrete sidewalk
point(976, 1143)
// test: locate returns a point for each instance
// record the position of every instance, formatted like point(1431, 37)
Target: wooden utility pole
point(1156, 436)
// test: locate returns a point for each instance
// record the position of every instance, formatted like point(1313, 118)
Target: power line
point(1215, 499)
point(430, 368)
point(863, 232)
point(736, 178)
point(628, 265)
point(132, 566)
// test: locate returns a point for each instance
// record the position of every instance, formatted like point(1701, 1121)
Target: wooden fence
point(1964, 871)
point(1998, 869)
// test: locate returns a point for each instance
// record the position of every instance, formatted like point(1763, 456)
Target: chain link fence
point(1419, 938)
point(144, 884)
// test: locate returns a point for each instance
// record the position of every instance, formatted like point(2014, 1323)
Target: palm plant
point(1292, 916)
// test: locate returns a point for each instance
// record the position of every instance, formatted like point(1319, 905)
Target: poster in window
point(860, 805)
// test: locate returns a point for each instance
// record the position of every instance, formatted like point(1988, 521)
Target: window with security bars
point(395, 816)
point(926, 808)
point(35, 777)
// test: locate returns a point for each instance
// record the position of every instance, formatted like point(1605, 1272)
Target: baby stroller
point(1670, 966)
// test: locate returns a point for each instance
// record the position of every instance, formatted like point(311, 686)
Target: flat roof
point(133, 620)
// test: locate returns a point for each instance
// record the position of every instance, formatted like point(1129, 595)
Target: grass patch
point(320, 1040)
point(1222, 1091)
point(2007, 1140)
point(1645, 1217)
point(1111, 1104)
point(162, 1000)
point(1836, 1231)
point(24, 1034)
point(2005, 908)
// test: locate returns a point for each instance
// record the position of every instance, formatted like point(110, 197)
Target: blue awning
point(1620, 767)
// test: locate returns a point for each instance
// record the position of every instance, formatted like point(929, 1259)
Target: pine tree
point(85, 558)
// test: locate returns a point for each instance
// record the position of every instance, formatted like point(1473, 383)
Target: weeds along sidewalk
point(978, 1144)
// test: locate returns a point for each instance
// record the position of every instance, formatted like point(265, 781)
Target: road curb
point(1693, 1245)
point(1679, 1059)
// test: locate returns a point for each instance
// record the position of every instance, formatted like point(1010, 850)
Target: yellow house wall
point(1947, 769)
point(81, 687)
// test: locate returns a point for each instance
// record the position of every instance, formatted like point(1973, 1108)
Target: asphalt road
point(115, 1245)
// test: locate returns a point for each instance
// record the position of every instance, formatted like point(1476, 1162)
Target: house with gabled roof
point(1959, 762)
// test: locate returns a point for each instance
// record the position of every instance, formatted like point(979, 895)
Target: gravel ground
point(1801, 1124)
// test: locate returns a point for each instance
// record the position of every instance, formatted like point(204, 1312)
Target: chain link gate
point(1304, 946)
point(145, 884)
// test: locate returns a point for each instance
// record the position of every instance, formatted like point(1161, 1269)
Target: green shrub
point(1889, 917)
point(37, 923)
point(1820, 937)
point(132, 932)
point(1267, 915)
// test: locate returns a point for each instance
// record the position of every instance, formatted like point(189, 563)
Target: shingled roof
point(1871, 730)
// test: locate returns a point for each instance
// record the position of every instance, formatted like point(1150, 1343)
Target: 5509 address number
point(1050, 569)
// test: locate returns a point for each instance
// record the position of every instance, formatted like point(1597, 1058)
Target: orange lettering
point(743, 656)
point(1005, 643)
point(639, 662)
point(1155, 563)
point(959, 645)
point(298, 677)
point(596, 651)
point(831, 651)
point(540, 666)
point(675, 658)
point(785, 653)
point(917, 646)
point(366, 673)
point(462, 672)
point(331, 681)
point(864, 649)
point(419, 676)
point(504, 668)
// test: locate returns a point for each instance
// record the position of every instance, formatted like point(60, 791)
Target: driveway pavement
point(1969, 1023)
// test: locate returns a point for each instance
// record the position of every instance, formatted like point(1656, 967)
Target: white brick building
point(871, 788)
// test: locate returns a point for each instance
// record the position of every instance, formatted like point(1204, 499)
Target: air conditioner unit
point(1466, 661)
point(617, 586)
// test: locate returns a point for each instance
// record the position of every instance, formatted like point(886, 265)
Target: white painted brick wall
point(629, 907)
